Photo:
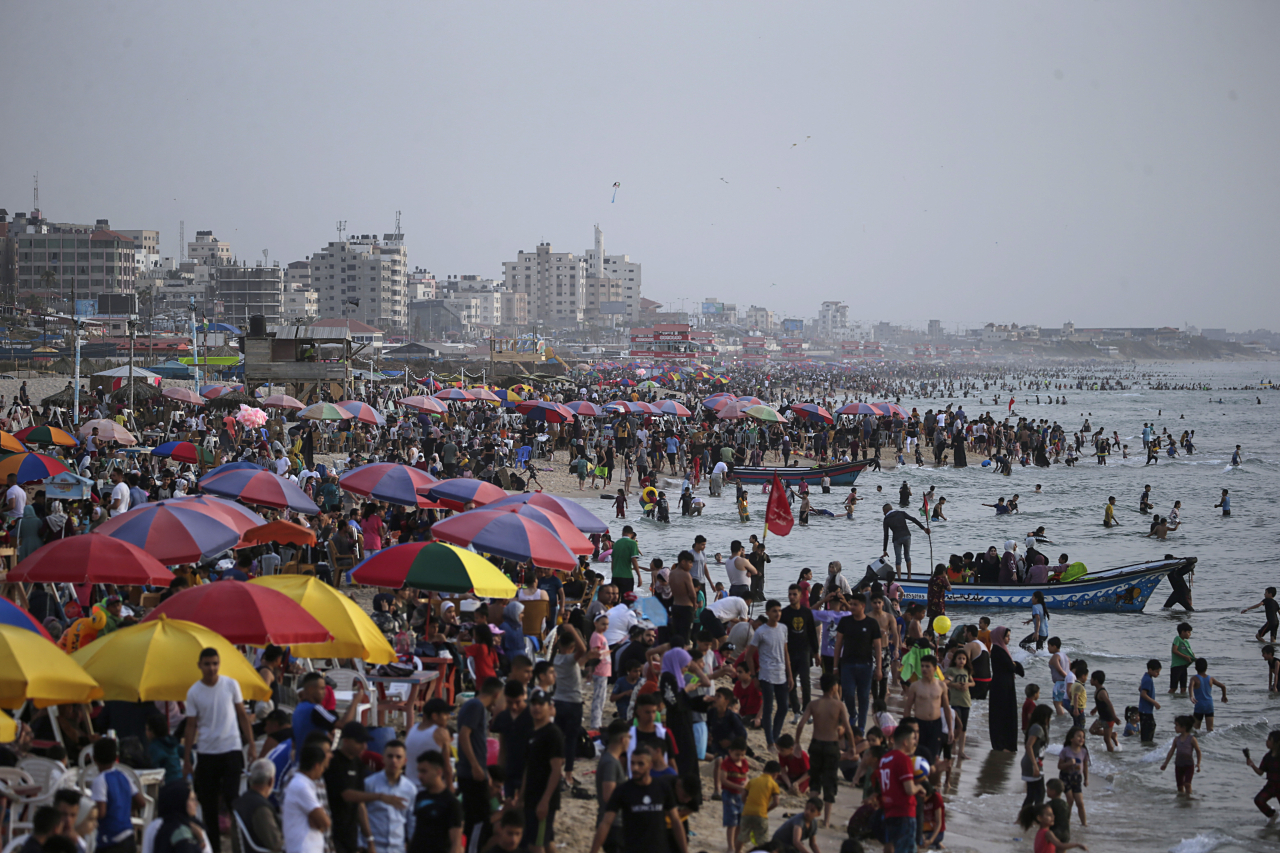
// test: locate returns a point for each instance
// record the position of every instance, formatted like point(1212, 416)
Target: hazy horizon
point(1001, 162)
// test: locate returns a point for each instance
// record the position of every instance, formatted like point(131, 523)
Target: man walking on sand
point(829, 716)
point(927, 700)
point(684, 597)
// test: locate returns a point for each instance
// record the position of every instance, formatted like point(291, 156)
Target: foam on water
point(1202, 843)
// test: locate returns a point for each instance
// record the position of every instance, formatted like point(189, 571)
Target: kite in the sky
point(616, 184)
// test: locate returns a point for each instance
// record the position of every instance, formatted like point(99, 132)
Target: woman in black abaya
point(958, 457)
point(1002, 701)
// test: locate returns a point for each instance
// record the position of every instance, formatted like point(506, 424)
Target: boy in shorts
point(732, 781)
point(1077, 696)
point(1105, 725)
point(762, 795)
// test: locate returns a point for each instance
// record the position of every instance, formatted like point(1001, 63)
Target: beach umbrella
point(858, 409)
point(237, 516)
point(521, 388)
point(455, 493)
point(324, 412)
point(262, 488)
point(46, 434)
point(363, 412)
point(649, 385)
point(506, 534)
point(245, 614)
point(8, 728)
point(30, 467)
point(32, 668)
point(91, 558)
point(13, 615)
point(750, 401)
point(436, 567)
point(184, 451)
point(107, 429)
point(812, 412)
point(718, 402)
point(281, 401)
point(542, 410)
point(733, 410)
point(563, 528)
point(890, 409)
point(584, 408)
point(159, 660)
point(485, 394)
point(354, 633)
point(453, 394)
point(764, 413)
point(387, 481)
point(213, 392)
point(579, 516)
point(173, 532)
point(10, 443)
point(428, 405)
point(431, 384)
point(284, 532)
point(233, 466)
point(183, 395)
point(674, 409)
point(628, 407)
point(626, 383)
point(508, 397)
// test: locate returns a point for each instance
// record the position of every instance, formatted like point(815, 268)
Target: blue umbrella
point(12, 614)
point(234, 466)
point(578, 515)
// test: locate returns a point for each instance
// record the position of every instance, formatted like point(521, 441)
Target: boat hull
point(1120, 590)
point(844, 474)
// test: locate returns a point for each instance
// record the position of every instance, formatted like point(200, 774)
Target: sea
point(1131, 804)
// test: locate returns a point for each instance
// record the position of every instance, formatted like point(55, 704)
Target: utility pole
point(75, 393)
point(133, 330)
point(195, 346)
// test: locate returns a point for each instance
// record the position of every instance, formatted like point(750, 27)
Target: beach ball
point(920, 768)
point(941, 624)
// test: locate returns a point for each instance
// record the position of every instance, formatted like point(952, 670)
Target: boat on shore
point(1123, 589)
point(841, 474)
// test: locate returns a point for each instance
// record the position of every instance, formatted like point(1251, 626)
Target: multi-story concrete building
point(209, 250)
point(245, 291)
point(515, 309)
point(832, 317)
point(298, 272)
point(146, 249)
point(365, 279)
point(300, 304)
point(422, 284)
point(611, 279)
point(61, 260)
point(565, 289)
point(758, 318)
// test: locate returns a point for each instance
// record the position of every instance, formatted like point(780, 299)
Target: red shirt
point(796, 764)
point(895, 768)
point(486, 662)
point(933, 814)
point(1027, 707)
point(750, 699)
point(735, 773)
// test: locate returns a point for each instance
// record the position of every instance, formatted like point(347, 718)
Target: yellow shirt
point(1078, 697)
point(760, 792)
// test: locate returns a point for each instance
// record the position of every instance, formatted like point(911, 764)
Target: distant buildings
point(245, 291)
point(565, 290)
point(365, 279)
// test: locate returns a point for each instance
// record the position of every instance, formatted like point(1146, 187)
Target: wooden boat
point(841, 474)
point(1123, 589)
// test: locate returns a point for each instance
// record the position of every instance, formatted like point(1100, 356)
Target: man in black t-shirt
point(645, 806)
point(437, 814)
point(802, 646)
point(344, 782)
point(857, 653)
point(513, 726)
point(543, 770)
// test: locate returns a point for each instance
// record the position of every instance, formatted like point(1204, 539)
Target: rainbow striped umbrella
point(46, 434)
point(434, 566)
point(387, 481)
point(324, 412)
point(363, 412)
point(262, 488)
point(172, 532)
point(507, 535)
point(585, 408)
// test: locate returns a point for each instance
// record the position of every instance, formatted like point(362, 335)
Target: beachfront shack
point(302, 358)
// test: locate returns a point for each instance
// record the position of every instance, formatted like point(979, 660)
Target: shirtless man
point(889, 649)
point(927, 700)
point(683, 596)
point(830, 723)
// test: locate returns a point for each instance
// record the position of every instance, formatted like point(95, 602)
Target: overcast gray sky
point(1106, 163)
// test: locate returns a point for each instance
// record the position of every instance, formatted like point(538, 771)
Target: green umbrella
point(324, 412)
point(764, 413)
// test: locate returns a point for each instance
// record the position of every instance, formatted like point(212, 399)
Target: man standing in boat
point(895, 522)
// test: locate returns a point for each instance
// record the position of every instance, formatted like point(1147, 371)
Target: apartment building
point(364, 278)
point(245, 291)
point(564, 289)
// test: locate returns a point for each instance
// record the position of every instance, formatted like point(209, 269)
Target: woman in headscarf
point(31, 536)
point(1009, 563)
point(1003, 697)
point(56, 525)
point(676, 684)
point(176, 828)
point(512, 630)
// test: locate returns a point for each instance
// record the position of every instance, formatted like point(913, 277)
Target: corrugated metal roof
point(294, 333)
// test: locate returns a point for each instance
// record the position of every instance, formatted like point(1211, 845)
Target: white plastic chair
point(345, 682)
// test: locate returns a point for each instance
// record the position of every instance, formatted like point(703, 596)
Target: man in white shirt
point(621, 618)
point(216, 708)
point(15, 499)
point(281, 463)
point(303, 817)
point(119, 503)
point(718, 473)
point(699, 569)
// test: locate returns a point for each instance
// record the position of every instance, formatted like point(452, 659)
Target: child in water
point(743, 513)
point(1185, 750)
point(1046, 841)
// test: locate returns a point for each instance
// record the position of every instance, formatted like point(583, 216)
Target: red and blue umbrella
point(262, 488)
point(430, 383)
point(12, 614)
point(859, 409)
point(173, 532)
point(363, 412)
point(212, 392)
point(541, 410)
point(579, 516)
point(29, 467)
point(184, 451)
point(458, 394)
point(674, 409)
point(562, 527)
point(236, 515)
point(509, 535)
point(387, 481)
point(812, 412)
point(630, 408)
point(585, 408)
point(456, 493)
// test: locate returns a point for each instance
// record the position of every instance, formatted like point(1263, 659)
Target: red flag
point(1011, 404)
point(777, 515)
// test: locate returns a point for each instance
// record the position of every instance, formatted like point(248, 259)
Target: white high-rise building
point(363, 278)
point(611, 278)
point(565, 289)
point(209, 250)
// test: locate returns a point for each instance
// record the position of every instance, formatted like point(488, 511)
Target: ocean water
point(1131, 804)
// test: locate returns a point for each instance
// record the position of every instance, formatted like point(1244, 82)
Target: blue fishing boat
point(841, 474)
point(1124, 589)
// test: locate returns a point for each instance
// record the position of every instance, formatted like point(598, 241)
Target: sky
point(1102, 163)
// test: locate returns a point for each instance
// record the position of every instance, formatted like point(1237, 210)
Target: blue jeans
point(700, 739)
point(855, 681)
point(901, 548)
point(772, 693)
point(901, 833)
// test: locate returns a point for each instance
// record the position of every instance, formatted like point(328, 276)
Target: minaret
point(597, 270)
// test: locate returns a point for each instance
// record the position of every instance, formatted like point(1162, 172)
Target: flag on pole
point(925, 509)
point(1011, 404)
point(777, 515)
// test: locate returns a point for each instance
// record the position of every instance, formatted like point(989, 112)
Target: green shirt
point(959, 697)
point(1182, 654)
point(623, 551)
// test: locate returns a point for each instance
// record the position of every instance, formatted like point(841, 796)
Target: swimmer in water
point(1109, 514)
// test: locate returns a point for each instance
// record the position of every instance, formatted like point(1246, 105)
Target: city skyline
point(1109, 165)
